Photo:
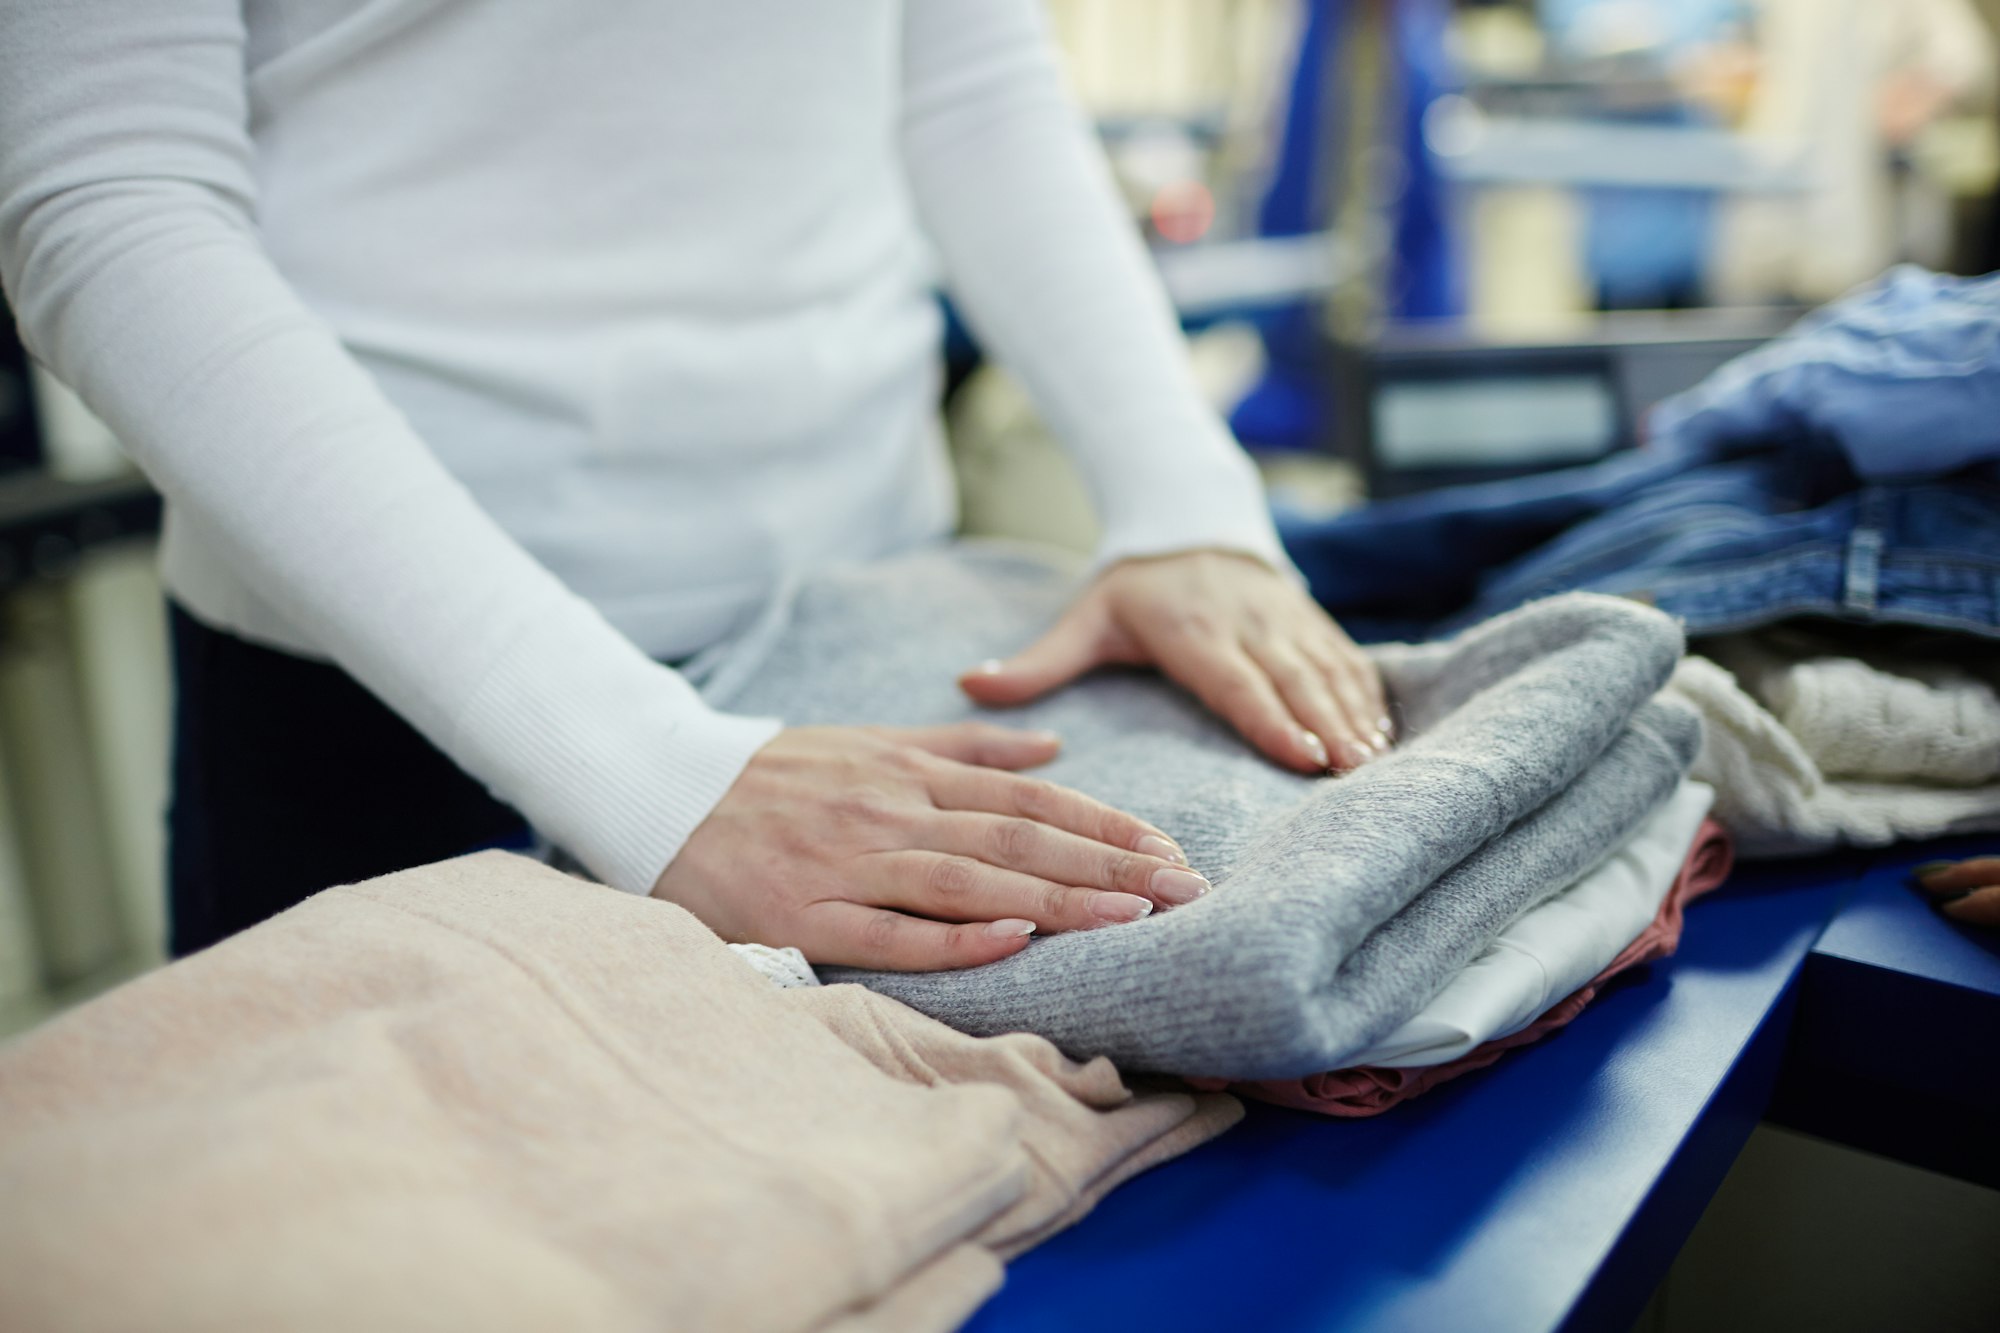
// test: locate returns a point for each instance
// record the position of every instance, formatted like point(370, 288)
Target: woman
point(490, 355)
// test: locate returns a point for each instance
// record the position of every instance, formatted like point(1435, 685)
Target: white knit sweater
point(496, 349)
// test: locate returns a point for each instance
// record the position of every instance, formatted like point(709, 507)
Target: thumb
point(1068, 650)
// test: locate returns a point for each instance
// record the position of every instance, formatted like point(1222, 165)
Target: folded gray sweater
point(1341, 905)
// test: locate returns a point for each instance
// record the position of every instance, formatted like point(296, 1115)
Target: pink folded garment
point(1371, 1090)
point(484, 1095)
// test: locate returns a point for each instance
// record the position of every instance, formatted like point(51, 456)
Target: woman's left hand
point(1248, 642)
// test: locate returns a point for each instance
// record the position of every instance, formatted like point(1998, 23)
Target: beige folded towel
point(1086, 1131)
point(483, 1094)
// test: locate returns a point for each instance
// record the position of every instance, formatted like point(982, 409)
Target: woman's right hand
point(916, 849)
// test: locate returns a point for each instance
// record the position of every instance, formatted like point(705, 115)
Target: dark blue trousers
point(289, 777)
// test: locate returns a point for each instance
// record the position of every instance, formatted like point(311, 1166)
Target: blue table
point(1893, 998)
point(1551, 1191)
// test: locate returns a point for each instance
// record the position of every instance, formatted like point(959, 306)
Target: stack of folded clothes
point(1503, 1000)
point(1822, 515)
point(1536, 794)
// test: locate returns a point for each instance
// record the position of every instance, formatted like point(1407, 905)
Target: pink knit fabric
point(1371, 1090)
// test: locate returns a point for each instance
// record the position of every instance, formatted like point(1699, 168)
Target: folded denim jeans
point(1847, 470)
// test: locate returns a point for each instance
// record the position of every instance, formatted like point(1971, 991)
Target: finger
point(1358, 687)
point(1358, 682)
point(1306, 689)
point(962, 787)
point(1068, 650)
point(848, 934)
point(1958, 876)
point(1056, 855)
point(980, 743)
point(1981, 907)
point(1239, 692)
point(944, 887)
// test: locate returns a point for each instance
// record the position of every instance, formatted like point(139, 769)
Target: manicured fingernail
point(1385, 726)
point(1931, 868)
point(1119, 906)
point(1010, 929)
point(1043, 737)
point(1178, 886)
point(1155, 845)
point(992, 666)
point(1316, 749)
point(1352, 755)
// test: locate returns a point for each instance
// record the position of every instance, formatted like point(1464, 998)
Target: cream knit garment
point(484, 1095)
point(1875, 760)
point(1888, 717)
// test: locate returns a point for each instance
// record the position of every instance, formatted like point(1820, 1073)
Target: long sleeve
point(130, 251)
point(1016, 196)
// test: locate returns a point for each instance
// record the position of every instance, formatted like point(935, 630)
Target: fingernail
point(1178, 886)
point(1385, 726)
point(1155, 845)
point(1379, 744)
point(1316, 748)
point(1010, 929)
point(1119, 906)
point(1352, 755)
point(992, 666)
point(1931, 868)
point(1043, 737)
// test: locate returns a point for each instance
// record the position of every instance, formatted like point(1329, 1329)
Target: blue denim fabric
point(1724, 546)
point(1730, 547)
point(1903, 375)
point(1759, 498)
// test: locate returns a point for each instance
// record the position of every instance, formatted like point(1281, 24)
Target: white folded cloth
point(786, 968)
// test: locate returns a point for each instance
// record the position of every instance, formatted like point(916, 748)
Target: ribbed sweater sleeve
point(130, 252)
point(1015, 193)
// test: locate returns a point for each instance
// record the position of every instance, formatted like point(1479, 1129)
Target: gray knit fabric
point(1341, 905)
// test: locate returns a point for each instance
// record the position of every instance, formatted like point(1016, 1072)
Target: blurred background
point(1420, 241)
point(1413, 242)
